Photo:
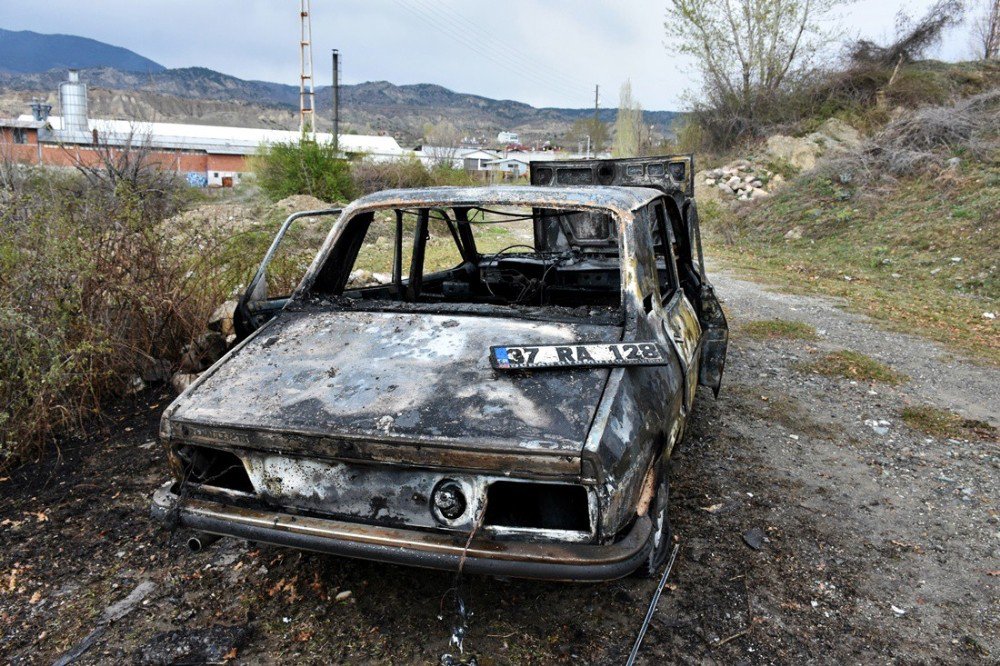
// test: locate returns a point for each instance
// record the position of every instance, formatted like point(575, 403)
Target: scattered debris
point(212, 645)
point(181, 380)
point(206, 349)
point(879, 427)
point(221, 320)
point(754, 538)
point(111, 614)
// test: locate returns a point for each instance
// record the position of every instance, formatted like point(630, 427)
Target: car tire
point(663, 532)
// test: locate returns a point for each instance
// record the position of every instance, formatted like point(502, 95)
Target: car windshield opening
point(501, 256)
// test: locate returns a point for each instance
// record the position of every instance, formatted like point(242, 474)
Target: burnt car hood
point(399, 377)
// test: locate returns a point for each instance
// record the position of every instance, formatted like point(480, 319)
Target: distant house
point(513, 166)
point(476, 160)
point(506, 138)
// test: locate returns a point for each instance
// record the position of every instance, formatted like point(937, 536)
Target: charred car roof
point(618, 198)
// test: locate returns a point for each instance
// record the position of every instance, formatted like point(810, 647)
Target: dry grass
point(917, 254)
point(775, 329)
point(946, 424)
point(856, 366)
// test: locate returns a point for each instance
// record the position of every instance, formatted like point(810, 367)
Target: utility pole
point(336, 100)
point(597, 118)
point(307, 97)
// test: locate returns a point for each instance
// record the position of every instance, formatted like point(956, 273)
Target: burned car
point(488, 375)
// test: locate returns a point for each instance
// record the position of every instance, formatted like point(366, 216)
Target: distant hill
point(156, 93)
point(28, 52)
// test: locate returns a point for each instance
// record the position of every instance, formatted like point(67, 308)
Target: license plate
point(584, 355)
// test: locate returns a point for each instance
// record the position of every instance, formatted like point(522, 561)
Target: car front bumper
point(547, 560)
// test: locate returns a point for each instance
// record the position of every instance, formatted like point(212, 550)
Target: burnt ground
point(879, 545)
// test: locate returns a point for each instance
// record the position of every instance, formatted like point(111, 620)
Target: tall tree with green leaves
point(628, 124)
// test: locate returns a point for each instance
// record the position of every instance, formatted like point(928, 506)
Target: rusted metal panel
point(550, 560)
point(390, 495)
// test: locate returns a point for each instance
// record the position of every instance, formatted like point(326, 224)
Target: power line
point(465, 40)
point(462, 38)
point(512, 59)
point(461, 23)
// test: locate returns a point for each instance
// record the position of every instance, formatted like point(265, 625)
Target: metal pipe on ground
point(201, 541)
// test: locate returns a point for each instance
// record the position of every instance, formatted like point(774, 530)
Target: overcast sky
point(544, 52)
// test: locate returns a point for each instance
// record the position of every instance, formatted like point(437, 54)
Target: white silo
point(73, 103)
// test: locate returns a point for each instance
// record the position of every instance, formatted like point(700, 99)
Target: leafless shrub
point(119, 165)
point(970, 126)
point(913, 40)
point(924, 139)
point(371, 176)
point(93, 289)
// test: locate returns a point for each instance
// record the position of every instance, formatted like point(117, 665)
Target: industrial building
point(204, 154)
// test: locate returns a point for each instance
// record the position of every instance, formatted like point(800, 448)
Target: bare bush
point(923, 140)
point(913, 39)
point(93, 293)
point(371, 176)
point(124, 168)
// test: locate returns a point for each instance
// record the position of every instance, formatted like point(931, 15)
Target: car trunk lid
point(400, 387)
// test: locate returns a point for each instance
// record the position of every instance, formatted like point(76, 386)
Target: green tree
point(628, 124)
point(303, 167)
point(588, 127)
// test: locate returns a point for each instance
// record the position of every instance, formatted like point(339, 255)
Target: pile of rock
point(747, 179)
point(742, 179)
point(833, 136)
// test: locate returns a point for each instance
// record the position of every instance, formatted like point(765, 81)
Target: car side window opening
point(687, 271)
point(293, 256)
point(473, 255)
point(666, 266)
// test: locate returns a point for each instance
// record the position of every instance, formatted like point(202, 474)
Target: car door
point(257, 306)
point(715, 340)
point(679, 319)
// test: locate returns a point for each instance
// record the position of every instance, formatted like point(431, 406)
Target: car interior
point(498, 256)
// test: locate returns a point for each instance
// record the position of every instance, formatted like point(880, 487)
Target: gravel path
point(936, 375)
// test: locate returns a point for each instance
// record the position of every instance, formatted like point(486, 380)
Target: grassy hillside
point(920, 254)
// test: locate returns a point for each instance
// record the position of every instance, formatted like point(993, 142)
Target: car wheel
point(663, 533)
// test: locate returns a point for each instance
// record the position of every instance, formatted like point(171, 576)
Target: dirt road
point(880, 543)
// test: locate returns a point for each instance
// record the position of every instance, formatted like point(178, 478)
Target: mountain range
point(26, 51)
point(124, 84)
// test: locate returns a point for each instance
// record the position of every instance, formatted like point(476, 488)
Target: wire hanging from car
point(652, 607)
